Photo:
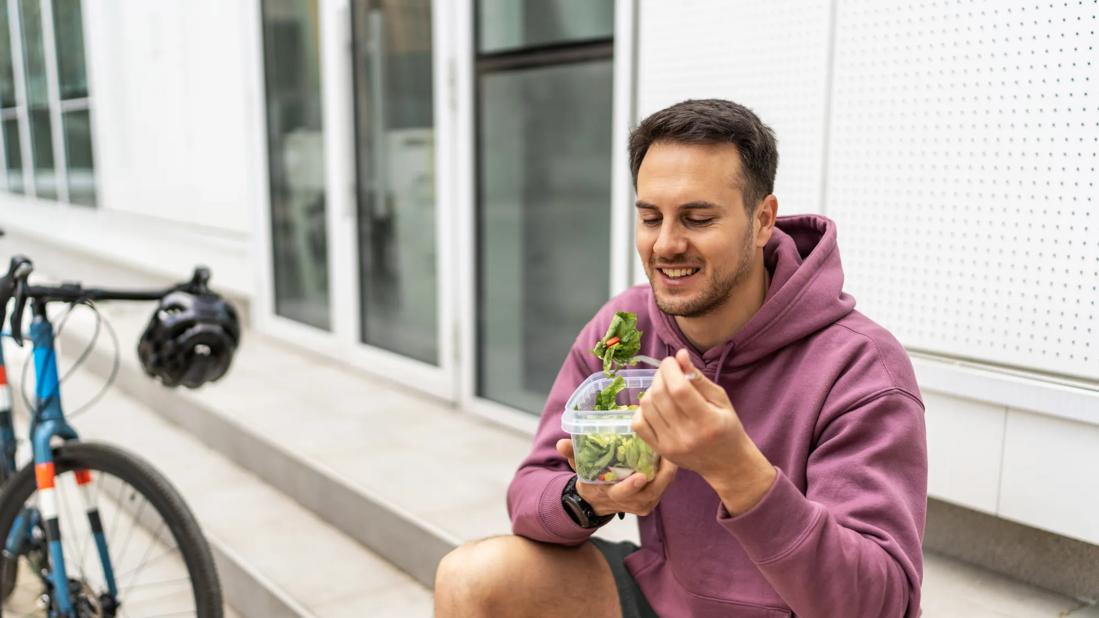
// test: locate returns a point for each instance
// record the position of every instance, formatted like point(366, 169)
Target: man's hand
point(693, 424)
point(635, 494)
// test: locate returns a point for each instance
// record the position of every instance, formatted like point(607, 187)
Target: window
point(46, 140)
point(544, 88)
point(395, 156)
point(295, 146)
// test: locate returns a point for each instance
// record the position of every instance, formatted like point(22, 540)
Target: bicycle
point(48, 564)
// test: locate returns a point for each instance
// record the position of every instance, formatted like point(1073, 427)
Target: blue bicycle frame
point(47, 422)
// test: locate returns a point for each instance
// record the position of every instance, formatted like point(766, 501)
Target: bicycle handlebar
point(14, 285)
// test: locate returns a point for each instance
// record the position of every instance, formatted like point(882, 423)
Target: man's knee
point(519, 576)
point(476, 574)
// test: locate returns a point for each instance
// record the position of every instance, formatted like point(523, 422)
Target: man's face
point(693, 234)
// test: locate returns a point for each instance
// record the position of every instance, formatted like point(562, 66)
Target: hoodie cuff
point(776, 525)
point(554, 518)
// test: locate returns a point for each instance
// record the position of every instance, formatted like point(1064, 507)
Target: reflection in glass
point(34, 59)
point(45, 180)
point(7, 78)
point(12, 155)
point(511, 24)
point(69, 34)
point(296, 159)
point(396, 172)
point(543, 222)
point(78, 154)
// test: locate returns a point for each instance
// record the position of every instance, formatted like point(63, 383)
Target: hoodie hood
point(804, 262)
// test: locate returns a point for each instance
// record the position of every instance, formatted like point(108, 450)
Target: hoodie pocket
point(706, 561)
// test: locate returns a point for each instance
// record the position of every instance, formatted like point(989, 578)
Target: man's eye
point(700, 221)
point(650, 222)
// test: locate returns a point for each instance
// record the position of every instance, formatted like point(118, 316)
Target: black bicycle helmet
point(190, 339)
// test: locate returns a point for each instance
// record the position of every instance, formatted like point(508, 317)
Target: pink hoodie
point(830, 398)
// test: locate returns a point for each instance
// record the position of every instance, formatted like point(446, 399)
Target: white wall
point(769, 56)
point(177, 124)
point(955, 148)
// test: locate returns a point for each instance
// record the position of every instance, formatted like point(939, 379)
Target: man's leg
point(514, 576)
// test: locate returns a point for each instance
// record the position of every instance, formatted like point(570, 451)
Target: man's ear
point(764, 219)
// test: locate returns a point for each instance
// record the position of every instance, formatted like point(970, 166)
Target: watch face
point(575, 511)
point(575, 506)
point(581, 512)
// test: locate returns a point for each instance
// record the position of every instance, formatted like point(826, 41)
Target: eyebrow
point(696, 205)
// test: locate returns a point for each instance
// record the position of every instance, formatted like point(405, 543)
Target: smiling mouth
point(678, 273)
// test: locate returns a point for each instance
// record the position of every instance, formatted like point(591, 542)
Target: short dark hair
point(714, 121)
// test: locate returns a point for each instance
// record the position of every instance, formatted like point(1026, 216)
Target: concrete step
point(274, 557)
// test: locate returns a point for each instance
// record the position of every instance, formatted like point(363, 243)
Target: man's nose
point(671, 241)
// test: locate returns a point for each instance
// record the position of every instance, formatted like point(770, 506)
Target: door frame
point(344, 340)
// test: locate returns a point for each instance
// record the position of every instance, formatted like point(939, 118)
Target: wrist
point(744, 481)
point(579, 510)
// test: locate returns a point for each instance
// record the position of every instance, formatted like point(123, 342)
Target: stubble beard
point(716, 292)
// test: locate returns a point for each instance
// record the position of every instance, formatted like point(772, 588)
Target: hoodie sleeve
point(852, 544)
point(534, 496)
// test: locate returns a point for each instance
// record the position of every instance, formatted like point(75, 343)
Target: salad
point(621, 342)
point(610, 457)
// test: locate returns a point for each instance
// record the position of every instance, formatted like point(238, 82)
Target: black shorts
point(630, 597)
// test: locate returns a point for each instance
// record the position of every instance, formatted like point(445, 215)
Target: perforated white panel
point(962, 174)
point(770, 56)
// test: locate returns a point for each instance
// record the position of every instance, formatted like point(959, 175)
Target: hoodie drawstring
point(721, 363)
point(669, 350)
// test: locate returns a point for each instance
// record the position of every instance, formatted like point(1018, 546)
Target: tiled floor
point(954, 589)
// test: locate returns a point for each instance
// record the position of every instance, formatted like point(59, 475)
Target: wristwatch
point(578, 508)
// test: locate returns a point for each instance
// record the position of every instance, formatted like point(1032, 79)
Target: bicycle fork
point(47, 505)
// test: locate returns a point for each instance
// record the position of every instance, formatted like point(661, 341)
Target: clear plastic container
point(605, 448)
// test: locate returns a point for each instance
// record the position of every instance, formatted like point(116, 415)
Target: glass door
point(400, 237)
point(295, 143)
point(543, 130)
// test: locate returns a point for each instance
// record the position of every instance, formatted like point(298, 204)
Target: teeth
point(678, 272)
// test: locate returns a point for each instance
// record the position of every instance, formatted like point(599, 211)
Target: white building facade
point(438, 192)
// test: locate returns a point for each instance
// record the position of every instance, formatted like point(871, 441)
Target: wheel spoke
point(136, 518)
point(163, 555)
point(145, 557)
point(171, 576)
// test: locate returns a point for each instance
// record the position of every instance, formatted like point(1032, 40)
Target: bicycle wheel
point(161, 562)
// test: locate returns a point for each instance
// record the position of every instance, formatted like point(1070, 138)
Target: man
point(794, 469)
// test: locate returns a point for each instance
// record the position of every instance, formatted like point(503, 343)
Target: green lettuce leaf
point(606, 399)
point(623, 327)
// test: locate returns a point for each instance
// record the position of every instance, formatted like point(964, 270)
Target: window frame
point(56, 107)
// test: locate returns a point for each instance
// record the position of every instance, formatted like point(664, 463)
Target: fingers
point(564, 446)
point(684, 397)
point(634, 494)
point(644, 430)
point(709, 390)
point(685, 364)
point(638, 495)
point(664, 477)
point(628, 489)
point(596, 496)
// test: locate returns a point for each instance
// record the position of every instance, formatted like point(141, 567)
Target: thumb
point(706, 387)
point(564, 446)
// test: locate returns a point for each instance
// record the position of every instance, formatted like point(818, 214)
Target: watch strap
point(579, 510)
